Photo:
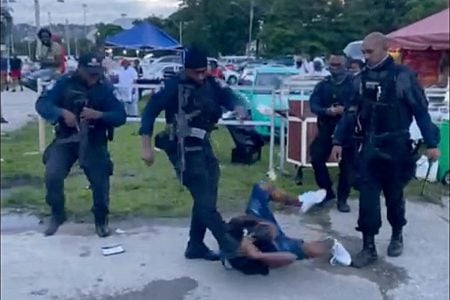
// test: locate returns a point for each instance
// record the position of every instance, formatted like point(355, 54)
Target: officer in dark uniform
point(387, 97)
point(201, 173)
point(85, 111)
point(327, 102)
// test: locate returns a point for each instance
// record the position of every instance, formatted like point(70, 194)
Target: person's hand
point(336, 110)
point(339, 109)
point(69, 118)
point(90, 114)
point(433, 154)
point(241, 113)
point(248, 249)
point(148, 156)
point(336, 153)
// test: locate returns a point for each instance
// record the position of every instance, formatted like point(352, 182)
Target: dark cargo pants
point(201, 178)
point(59, 159)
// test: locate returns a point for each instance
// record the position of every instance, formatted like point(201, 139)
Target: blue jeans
point(258, 206)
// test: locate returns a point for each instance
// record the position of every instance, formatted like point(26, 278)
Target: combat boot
point(101, 226)
point(200, 252)
point(342, 206)
point(395, 247)
point(55, 221)
point(368, 254)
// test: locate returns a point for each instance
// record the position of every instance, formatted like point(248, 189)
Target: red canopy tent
point(423, 45)
point(431, 32)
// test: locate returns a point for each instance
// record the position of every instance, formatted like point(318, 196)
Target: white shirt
point(124, 86)
point(127, 76)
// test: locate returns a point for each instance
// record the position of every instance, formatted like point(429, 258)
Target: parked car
point(231, 77)
point(266, 80)
point(160, 71)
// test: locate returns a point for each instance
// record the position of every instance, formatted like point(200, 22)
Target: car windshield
point(271, 79)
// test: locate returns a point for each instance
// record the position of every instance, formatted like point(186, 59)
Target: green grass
point(135, 188)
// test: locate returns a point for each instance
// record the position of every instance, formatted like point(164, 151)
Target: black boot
point(101, 226)
point(367, 255)
point(342, 206)
point(55, 221)
point(200, 251)
point(395, 247)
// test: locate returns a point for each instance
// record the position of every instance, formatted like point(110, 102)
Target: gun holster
point(165, 141)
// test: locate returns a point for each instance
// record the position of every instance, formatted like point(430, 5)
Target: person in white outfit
point(319, 68)
point(126, 93)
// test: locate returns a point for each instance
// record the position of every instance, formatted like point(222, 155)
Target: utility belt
point(389, 146)
point(167, 139)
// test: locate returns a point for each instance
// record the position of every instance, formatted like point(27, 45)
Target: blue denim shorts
point(258, 206)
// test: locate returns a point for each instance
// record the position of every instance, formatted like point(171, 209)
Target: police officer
point(387, 98)
point(201, 174)
point(77, 101)
point(327, 102)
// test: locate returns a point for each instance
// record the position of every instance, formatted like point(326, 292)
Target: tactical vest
point(381, 112)
point(203, 100)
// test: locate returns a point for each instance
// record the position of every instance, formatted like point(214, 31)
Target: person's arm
point(47, 104)
point(230, 100)
point(244, 221)
point(315, 101)
point(276, 259)
point(347, 123)
point(114, 114)
point(414, 94)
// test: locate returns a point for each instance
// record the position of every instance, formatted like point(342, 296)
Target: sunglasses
point(335, 65)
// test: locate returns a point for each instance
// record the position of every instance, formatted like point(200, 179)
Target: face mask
point(338, 73)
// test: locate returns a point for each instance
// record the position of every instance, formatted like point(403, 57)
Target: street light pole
point(66, 29)
point(84, 19)
point(37, 15)
point(250, 25)
point(181, 32)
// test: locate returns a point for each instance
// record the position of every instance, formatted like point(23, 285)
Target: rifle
point(182, 129)
point(80, 101)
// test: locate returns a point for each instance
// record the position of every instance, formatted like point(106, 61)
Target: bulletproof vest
point(204, 101)
point(381, 109)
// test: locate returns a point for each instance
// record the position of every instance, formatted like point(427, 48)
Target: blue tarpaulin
point(143, 35)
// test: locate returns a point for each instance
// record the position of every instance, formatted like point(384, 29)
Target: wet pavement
point(70, 264)
point(17, 109)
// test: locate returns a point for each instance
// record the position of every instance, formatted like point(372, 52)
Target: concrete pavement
point(17, 108)
point(70, 265)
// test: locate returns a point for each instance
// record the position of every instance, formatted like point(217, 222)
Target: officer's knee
point(54, 174)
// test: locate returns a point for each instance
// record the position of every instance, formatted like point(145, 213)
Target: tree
point(6, 21)
point(106, 30)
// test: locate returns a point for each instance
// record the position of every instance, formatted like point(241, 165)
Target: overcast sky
point(97, 10)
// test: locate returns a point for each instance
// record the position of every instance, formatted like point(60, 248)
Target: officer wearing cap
point(80, 100)
point(201, 173)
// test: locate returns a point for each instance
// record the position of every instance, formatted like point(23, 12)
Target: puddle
point(14, 221)
point(386, 275)
point(8, 182)
point(175, 289)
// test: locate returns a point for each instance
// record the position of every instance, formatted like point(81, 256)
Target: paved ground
point(70, 265)
point(17, 108)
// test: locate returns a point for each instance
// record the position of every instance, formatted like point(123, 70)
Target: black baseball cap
point(91, 63)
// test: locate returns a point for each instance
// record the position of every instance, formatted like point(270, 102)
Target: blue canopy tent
point(143, 36)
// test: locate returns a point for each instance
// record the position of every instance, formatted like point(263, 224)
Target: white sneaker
point(309, 199)
point(340, 255)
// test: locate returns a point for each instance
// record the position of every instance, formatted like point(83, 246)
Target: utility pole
point(84, 19)
point(37, 15)
point(180, 26)
point(250, 25)
point(66, 30)
point(50, 20)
